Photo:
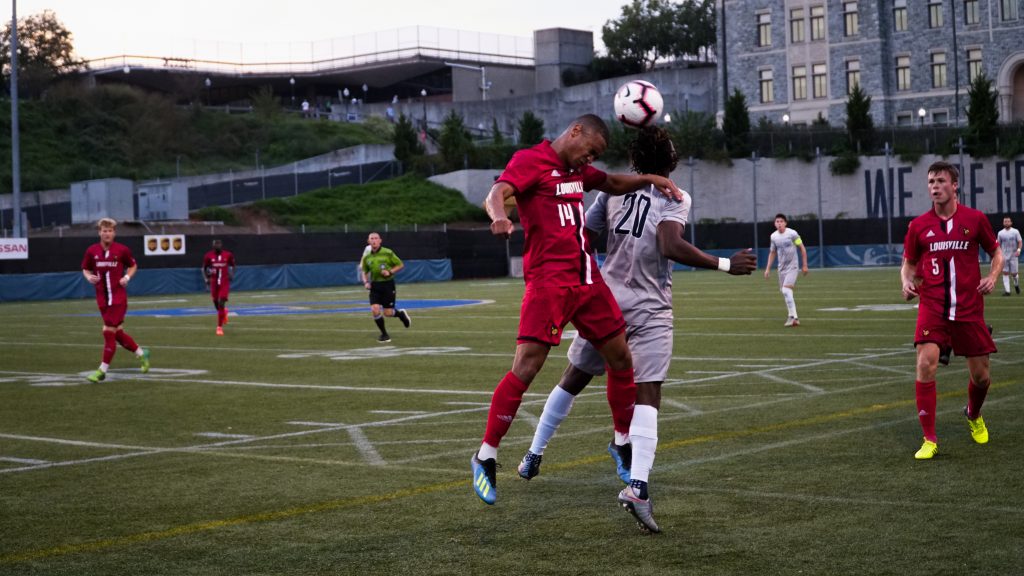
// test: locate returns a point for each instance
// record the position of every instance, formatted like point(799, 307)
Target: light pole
point(366, 89)
point(291, 81)
point(423, 99)
point(785, 120)
point(345, 93)
point(921, 113)
point(208, 84)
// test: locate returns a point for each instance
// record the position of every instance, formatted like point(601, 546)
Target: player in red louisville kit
point(110, 266)
point(563, 283)
point(218, 271)
point(940, 264)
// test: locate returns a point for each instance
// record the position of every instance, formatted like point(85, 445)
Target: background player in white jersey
point(784, 245)
point(1009, 245)
point(645, 232)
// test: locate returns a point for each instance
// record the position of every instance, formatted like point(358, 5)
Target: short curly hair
point(652, 151)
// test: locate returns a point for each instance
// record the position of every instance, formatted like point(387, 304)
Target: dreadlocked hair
point(652, 152)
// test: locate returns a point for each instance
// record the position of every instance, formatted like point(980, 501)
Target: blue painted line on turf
point(292, 308)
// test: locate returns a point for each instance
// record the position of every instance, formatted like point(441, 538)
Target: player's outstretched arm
point(495, 207)
point(674, 247)
point(989, 282)
point(619, 184)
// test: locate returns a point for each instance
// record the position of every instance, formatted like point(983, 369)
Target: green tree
point(265, 103)
point(982, 117)
point(859, 125)
point(499, 139)
point(455, 142)
point(45, 53)
point(736, 124)
point(692, 133)
point(407, 142)
point(531, 129)
point(651, 30)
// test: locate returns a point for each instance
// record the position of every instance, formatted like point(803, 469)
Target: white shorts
point(1010, 264)
point(650, 345)
point(788, 278)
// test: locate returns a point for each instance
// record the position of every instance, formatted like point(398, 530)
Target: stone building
point(797, 59)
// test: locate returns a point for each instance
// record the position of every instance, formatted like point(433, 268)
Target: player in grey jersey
point(1009, 245)
point(784, 243)
point(645, 234)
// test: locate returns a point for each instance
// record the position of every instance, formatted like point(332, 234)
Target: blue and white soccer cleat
point(484, 482)
point(623, 457)
point(530, 466)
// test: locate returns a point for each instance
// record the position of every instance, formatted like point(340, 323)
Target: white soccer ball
point(638, 103)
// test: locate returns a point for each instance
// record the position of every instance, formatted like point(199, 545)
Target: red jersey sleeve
point(231, 259)
point(986, 237)
point(126, 258)
point(592, 177)
point(521, 171)
point(910, 248)
point(88, 263)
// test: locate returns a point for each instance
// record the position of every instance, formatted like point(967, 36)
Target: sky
point(271, 30)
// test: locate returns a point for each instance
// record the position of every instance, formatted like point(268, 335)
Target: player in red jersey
point(110, 266)
point(563, 283)
point(218, 271)
point(940, 264)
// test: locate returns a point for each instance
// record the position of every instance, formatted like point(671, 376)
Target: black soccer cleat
point(530, 466)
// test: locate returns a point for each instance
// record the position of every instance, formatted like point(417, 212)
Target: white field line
point(169, 301)
point(221, 435)
point(365, 447)
point(397, 412)
point(529, 417)
point(780, 380)
point(679, 405)
point(314, 424)
point(22, 460)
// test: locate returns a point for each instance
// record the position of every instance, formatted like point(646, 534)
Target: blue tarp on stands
point(64, 285)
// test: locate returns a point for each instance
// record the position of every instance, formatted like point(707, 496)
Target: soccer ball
point(638, 103)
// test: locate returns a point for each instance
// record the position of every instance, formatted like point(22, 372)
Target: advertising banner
point(164, 244)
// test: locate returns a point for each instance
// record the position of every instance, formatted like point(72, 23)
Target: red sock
point(109, 346)
point(221, 316)
point(125, 340)
point(925, 393)
point(975, 398)
point(504, 405)
point(621, 398)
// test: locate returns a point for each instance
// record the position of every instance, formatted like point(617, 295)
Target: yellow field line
point(439, 487)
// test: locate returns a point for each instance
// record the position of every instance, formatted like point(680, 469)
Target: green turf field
point(298, 445)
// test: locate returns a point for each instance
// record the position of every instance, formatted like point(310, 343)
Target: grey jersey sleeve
point(597, 214)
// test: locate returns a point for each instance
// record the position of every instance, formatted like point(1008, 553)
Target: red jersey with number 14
point(549, 197)
point(110, 264)
point(946, 252)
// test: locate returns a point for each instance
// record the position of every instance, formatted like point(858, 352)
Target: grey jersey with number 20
point(638, 275)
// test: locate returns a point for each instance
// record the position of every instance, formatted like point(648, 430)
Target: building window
point(852, 75)
point(817, 23)
point(767, 86)
point(940, 118)
point(902, 73)
point(851, 21)
point(974, 68)
point(934, 14)
point(820, 80)
point(972, 12)
point(939, 70)
point(904, 119)
point(1008, 9)
point(799, 82)
point(764, 29)
point(899, 15)
point(796, 26)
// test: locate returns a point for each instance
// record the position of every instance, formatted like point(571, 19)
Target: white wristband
point(724, 264)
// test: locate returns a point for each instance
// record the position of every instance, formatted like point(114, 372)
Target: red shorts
point(113, 315)
point(591, 308)
point(219, 292)
point(967, 339)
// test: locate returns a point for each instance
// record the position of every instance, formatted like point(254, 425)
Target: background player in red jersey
point(109, 266)
point(940, 264)
point(218, 271)
point(563, 283)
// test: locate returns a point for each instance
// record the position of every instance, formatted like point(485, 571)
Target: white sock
point(103, 367)
point(487, 452)
point(643, 432)
point(1016, 280)
point(1006, 283)
point(621, 439)
point(556, 408)
point(787, 295)
point(138, 351)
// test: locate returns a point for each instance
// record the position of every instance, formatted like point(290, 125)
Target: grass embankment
point(405, 200)
point(120, 132)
